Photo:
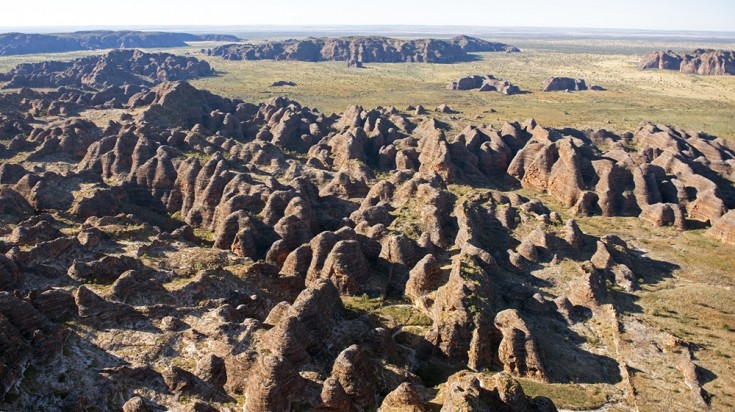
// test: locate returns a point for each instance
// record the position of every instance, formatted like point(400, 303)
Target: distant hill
point(367, 49)
point(22, 43)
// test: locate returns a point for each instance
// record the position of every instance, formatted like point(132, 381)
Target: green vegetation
point(686, 101)
point(473, 273)
point(204, 234)
point(401, 315)
point(362, 303)
point(567, 396)
point(407, 221)
point(199, 155)
point(387, 313)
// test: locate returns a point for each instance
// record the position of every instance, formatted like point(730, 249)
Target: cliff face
point(22, 43)
point(700, 61)
point(362, 49)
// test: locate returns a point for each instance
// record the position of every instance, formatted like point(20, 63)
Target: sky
point(697, 15)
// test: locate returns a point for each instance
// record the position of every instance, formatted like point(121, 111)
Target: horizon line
point(10, 29)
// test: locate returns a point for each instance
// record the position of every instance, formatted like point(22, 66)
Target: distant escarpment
point(700, 61)
point(474, 45)
point(363, 49)
point(26, 43)
point(117, 67)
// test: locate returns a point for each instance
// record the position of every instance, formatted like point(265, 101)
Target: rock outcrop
point(485, 83)
point(555, 84)
point(518, 351)
point(723, 229)
point(700, 61)
point(362, 50)
point(667, 60)
point(482, 392)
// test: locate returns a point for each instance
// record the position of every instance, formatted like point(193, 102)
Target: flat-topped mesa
point(372, 49)
point(485, 83)
point(701, 61)
point(115, 68)
point(22, 43)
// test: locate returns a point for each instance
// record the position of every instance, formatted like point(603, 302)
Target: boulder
point(466, 83)
point(492, 84)
point(555, 84)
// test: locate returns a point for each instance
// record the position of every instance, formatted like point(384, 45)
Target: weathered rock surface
point(485, 83)
point(518, 351)
point(404, 398)
point(700, 61)
point(555, 84)
point(483, 392)
point(667, 60)
point(723, 229)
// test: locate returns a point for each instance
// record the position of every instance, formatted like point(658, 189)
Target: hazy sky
point(716, 15)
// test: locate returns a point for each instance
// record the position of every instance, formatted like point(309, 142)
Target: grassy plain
point(691, 102)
